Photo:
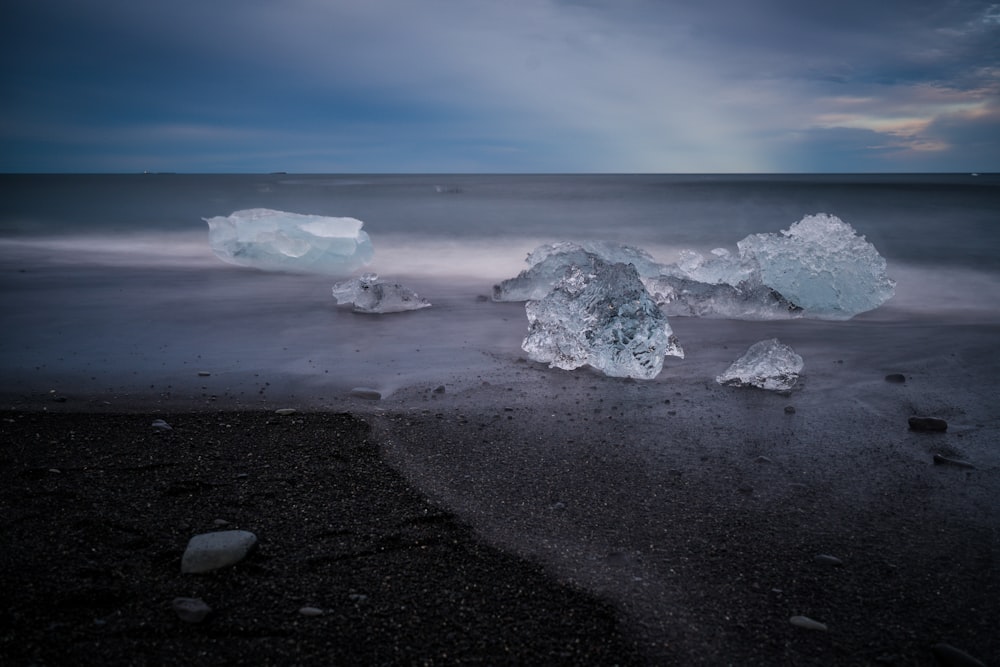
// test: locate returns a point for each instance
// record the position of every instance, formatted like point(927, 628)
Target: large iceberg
point(600, 314)
point(817, 268)
point(821, 265)
point(281, 241)
point(768, 364)
point(368, 294)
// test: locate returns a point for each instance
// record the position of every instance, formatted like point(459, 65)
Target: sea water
point(110, 286)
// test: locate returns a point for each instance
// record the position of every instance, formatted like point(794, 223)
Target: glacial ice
point(368, 294)
point(548, 264)
point(818, 268)
point(767, 364)
point(600, 314)
point(281, 241)
point(821, 265)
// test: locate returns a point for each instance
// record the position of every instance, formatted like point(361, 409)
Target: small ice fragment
point(821, 265)
point(370, 295)
point(281, 241)
point(767, 364)
point(600, 314)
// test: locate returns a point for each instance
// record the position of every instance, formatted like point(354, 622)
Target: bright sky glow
point(500, 86)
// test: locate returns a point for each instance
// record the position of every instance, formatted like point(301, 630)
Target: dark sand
point(97, 508)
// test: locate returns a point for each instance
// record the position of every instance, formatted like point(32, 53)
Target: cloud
point(549, 85)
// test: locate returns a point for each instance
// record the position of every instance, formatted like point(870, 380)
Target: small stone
point(284, 412)
point(928, 424)
point(789, 409)
point(950, 656)
point(807, 623)
point(762, 459)
point(191, 610)
point(439, 389)
point(203, 374)
point(827, 559)
point(161, 425)
point(310, 611)
point(211, 551)
point(945, 461)
point(357, 597)
point(895, 378)
point(220, 522)
point(366, 393)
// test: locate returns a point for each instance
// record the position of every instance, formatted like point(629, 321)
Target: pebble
point(310, 611)
point(807, 623)
point(161, 425)
point(789, 409)
point(211, 551)
point(284, 412)
point(203, 374)
point(827, 559)
point(895, 378)
point(928, 424)
point(191, 610)
point(220, 522)
point(440, 389)
point(945, 461)
point(366, 393)
point(950, 656)
point(357, 597)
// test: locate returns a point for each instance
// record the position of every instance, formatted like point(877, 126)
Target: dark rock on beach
point(928, 424)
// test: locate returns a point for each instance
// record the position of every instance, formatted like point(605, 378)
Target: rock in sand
point(191, 610)
point(211, 551)
point(928, 424)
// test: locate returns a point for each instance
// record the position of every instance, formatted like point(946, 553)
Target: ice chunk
point(600, 314)
point(281, 241)
point(821, 265)
point(548, 264)
point(767, 364)
point(748, 300)
point(368, 294)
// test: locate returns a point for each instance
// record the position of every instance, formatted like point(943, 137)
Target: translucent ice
point(768, 364)
point(548, 264)
point(747, 300)
point(281, 241)
point(368, 294)
point(600, 314)
point(821, 265)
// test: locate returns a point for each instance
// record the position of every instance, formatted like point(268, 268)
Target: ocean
point(110, 286)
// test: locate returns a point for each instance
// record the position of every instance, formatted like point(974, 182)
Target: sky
point(491, 86)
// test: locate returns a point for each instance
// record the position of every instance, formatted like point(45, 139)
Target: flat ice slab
point(273, 240)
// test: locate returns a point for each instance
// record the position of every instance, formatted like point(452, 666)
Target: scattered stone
point(789, 409)
point(950, 656)
point(220, 522)
point(161, 425)
point(945, 461)
point(366, 393)
point(284, 412)
point(310, 611)
point(191, 610)
point(762, 459)
point(928, 424)
point(203, 374)
point(439, 389)
point(357, 597)
point(807, 623)
point(895, 378)
point(827, 559)
point(211, 551)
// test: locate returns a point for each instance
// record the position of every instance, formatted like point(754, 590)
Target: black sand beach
point(98, 507)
